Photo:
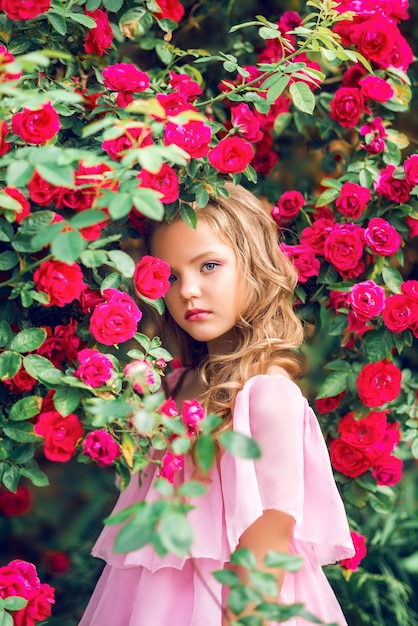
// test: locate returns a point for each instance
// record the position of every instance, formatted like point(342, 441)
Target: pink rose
point(244, 120)
point(410, 288)
point(168, 408)
point(304, 259)
point(347, 106)
point(36, 126)
point(344, 247)
point(183, 83)
point(165, 181)
point(381, 237)
point(116, 320)
point(38, 607)
point(375, 88)
point(400, 313)
point(98, 40)
point(62, 282)
point(379, 383)
point(191, 414)
point(352, 200)
point(396, 189)
point(347, 459)
point(125, 78)
point(140, 374)
point(94, 368)
point(171, 465)
point(151, 277)
point(388, 470)
point(288, 206)
point(170, 10)
point(367, 299)
point(4, 145)
point(411, 170)
point(231, 155)
point(315, 236)
point(100, 446)
point(359, 542)
point(194, 137)
point(173, 104)
point(18, 10)
point(137, 136)
point(61, 435)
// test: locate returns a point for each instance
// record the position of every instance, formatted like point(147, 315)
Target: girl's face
point(205, 284)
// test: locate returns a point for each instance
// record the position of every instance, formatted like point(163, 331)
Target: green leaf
point(66, 400)
point(85, 20)
point(19, 173)
point(240, 445)
point(11, 477)
point(277, 88)
point(337, 325)
point(328, 196)
point(59, 175)
point(23, 433)
point(123, 262)
point(137, 532)
point(113, 280)
point(334, 384)
point(302, 97)
point(264, 582)
point(10, 363)
point(205, 452)
point(14, 603)
point(188, 215)
point(67, 246)
point(113, 5)
point(393, 279)
point(243, 557)
point(28, 339)
point(157, 304)
point(227, 577)
point(57, 22)
point(6, 333)
point(87, 218)
point(40, 368)
point(36, 476)
point(93, 258)
point(8, 260)
point(119, 205)
point(25, 408)
point(289, 562)
point(378, 344)
point(176, 533)
point(192, 489)
point(148, 204)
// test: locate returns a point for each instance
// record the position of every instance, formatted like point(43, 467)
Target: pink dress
point(294, 475)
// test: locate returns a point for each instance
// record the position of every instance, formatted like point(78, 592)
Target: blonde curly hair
point(268, 331)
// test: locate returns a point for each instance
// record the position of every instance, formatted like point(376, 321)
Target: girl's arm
point(272, 531)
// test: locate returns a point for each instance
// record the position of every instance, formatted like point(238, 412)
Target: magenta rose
point(38, 607)
point(115, 320)
point(61, 435)
point(315, 236)
point(374, 37)
point(375, 88)
point(94, 368)
point(400, 313)
point(265, 158)
point(396, 189)
point(231, 155)
point(98, 40)
point(173, 104)
point(381, 237)
point(137, 136)
point(367, 299)
point(379, 383)
point(100, 446)
point(169, 9)
point(168, 408)
point(347, 106)
point(184, 84)
point(244, 120)
point(191, 414)
point(171, 465)
point(63, 282)
point(352, 200)
point(288, 206)
point(388, 470)
point(365, 432)
point(353, 562)
point(165, 181)
point(12, 582)
point(344, 247)
point(304, 260)
point(26, 10)
point(36, 126)
point(151, 277)
point(125, 78)
point(194, 137)
point(410, 288)
point(411, 170)
point(347, 459)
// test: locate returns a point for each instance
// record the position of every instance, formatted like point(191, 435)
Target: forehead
point(178, 242)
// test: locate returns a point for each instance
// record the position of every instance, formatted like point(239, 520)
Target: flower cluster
point(20, 579)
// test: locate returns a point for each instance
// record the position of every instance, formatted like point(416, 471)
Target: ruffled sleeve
point(294, 474)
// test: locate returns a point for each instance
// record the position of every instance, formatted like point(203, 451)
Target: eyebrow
point(203, 254)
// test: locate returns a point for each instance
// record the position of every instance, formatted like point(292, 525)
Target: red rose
point(42, 192)
point(125, 78)
point(347, 106)
point(38, 607)
point(365, 432)
point(344, 247)
point(89, 299)
point(359, 542)
point(21, 382)
point(115, 320)
point(183, 83)
point(61, 345)
point(100, 446)
point(24, 203)
point(194, 137)
point(56, 562)
point(411, 170)
point(381, 237)
point(11, 582)
point(304, 259)
point(151, 277)
point(173, 104)
point(367, 299)
point(315, 236)
point(36, 126)
point(137, 136)
point(244, 120)
point(326, 405)
point(165, 181)
point(396, 189)
point(98, 40)
point(89, 181)
point(231, 155)
point(61, 435)
point(63, 282)
point(24, 10)
point(4, 145)
point(375, 88)
point(171, 465)
point(347, 459)
point(388, 470)
point(13, 504)
point(378, 383)
point(400, 312)
point(374, 37)
point(265, 158)
point(169, 9)
point(288, 206)
point(279, 106)
point(352, 200)
point(410, 288)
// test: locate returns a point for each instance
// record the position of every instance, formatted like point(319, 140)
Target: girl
point(229, 313)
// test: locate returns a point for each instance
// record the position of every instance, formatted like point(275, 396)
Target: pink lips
point(195, 315)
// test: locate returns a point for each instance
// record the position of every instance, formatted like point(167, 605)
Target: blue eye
point(210, 266)
point(172, 278)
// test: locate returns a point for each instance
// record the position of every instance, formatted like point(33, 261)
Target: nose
point(189, 287)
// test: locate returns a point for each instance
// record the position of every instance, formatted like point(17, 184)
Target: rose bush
point(123, 117)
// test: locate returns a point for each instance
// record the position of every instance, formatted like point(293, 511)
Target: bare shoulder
point(274, 370)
